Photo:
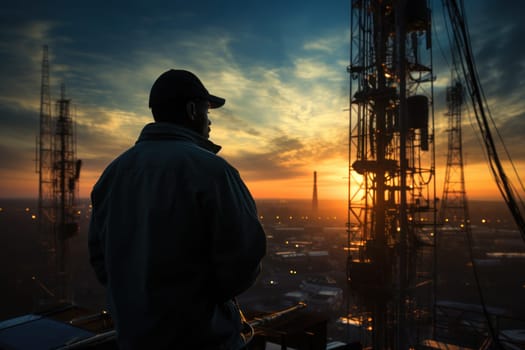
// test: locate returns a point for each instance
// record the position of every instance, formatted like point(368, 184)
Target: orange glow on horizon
point(331, 184)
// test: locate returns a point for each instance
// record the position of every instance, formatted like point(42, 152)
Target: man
point(174, 232)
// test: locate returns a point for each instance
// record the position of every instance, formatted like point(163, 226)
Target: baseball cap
point(177, 85)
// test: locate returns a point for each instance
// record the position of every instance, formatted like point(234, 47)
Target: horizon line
point(263, 199)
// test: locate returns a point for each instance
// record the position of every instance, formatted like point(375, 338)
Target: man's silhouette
point(174, 232)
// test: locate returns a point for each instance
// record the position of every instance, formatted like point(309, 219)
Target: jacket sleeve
point(238, 239)
point(96, 246)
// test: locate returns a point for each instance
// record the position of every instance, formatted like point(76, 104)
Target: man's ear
point(191, 110)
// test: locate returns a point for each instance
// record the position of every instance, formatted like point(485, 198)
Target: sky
point(281, 65)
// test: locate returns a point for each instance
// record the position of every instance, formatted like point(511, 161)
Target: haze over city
point(280, 66)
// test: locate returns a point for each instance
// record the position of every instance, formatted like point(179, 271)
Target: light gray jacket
point(174, 236)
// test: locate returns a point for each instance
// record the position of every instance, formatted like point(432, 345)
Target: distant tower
point(67, 172)
point(58, 171)
point(46, 202)
point(453, 211)
point(44, 160)
point(315, 207)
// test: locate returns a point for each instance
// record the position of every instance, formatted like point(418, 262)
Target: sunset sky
point(281, 65)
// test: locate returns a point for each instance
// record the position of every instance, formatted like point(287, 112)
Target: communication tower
point(453, 211)
point(391, 170)
point(67, 173)
point(44, 160)
point(59, 172)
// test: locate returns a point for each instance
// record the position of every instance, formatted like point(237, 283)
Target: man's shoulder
point(211, 164)
point(211, 159)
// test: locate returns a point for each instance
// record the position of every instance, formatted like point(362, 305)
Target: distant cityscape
point(306, 261)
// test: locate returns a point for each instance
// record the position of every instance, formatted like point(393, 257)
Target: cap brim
point(215, 101)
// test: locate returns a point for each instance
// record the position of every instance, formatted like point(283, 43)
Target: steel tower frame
point(59, 172)
point(454, 211)
point(44, 160)
point(391, 166)
point(67, 171)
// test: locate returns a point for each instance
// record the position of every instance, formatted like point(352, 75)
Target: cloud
point(308, 68)
point(18, 137)
point(111, 96)
point(285, 156)
point(12, 158)
point(327, 45)
point(500, 61)
point(281, 70)
point(501, 67)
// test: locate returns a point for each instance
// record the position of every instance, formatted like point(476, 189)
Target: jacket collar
point(170, 131)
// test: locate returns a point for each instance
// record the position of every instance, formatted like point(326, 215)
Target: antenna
point(44, 158)
point(453, 211)
point(46, 204)
point(391, 168)
point(67, 169)
point(59, 172)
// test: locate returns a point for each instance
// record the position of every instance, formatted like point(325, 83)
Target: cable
point(479, 101)
point(462, 44)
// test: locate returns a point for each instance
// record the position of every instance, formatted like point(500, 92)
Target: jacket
point(174, 236)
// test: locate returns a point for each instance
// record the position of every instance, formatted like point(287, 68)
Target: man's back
point(175, 235)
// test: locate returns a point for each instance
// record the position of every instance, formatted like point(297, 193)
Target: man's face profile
point(200, 110)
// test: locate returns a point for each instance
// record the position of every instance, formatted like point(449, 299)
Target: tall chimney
point(314, 197)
